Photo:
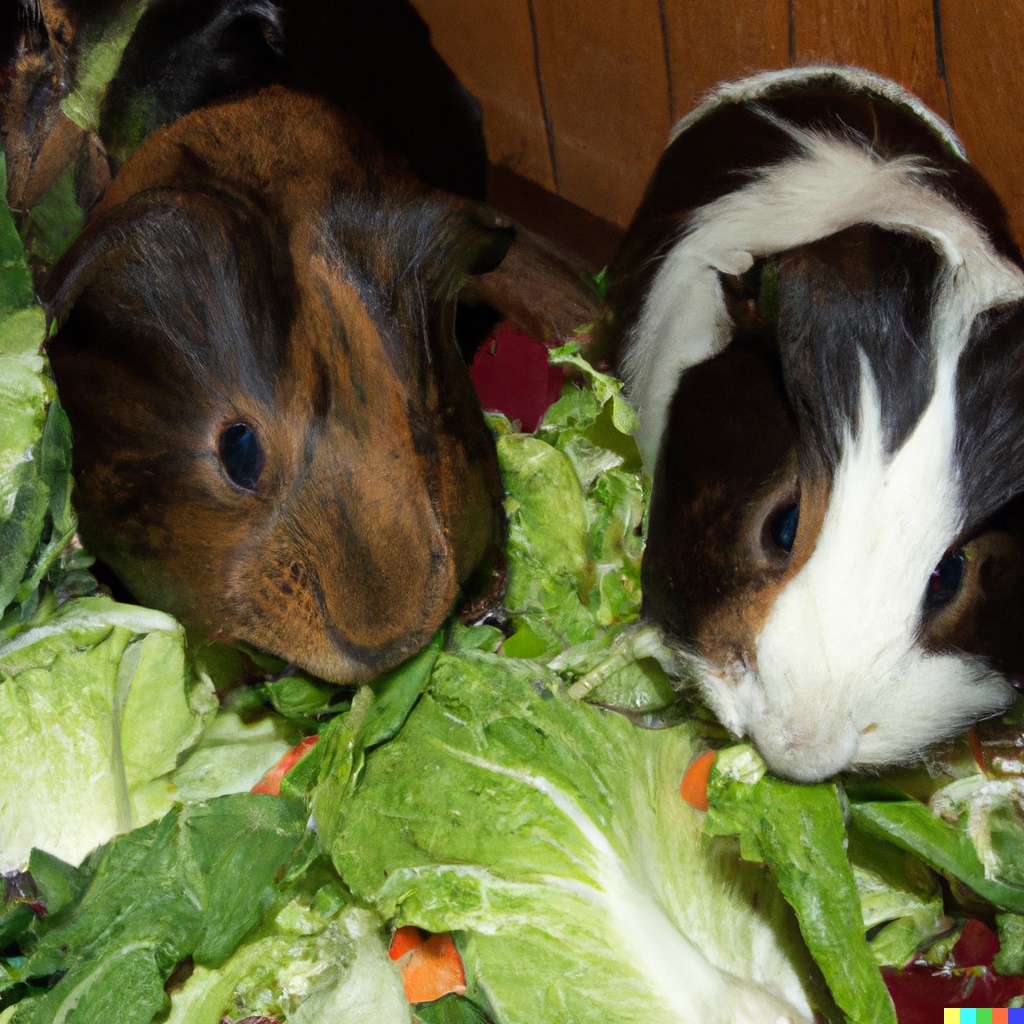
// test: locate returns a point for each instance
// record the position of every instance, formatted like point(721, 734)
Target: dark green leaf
point(798, 831)
point(59, 883)
point(397, 692)
point(16, 291)
point(299, 697)
point(192, 884)
point(913, 827)
point(451, 1009)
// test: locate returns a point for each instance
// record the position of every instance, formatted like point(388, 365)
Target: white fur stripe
point(831, 184)
point(839, 657)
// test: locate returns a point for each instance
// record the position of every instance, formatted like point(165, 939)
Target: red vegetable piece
point(977, 945)
point(976, 749)
point(512, 375)
point(406, 939)
point(694, 787)
point(271, 782)
point(433, 969)
point(921, 993)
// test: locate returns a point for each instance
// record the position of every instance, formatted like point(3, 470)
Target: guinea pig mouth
point(801, 752)
point(346, 664)
point(807, 756)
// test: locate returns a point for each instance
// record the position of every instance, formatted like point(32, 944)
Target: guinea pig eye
point(782, 528)
point(241, 455)
point(946, 579)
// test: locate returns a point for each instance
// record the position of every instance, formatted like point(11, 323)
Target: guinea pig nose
point(804, 753)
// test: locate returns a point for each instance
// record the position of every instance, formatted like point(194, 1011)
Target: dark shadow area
point(375, 59)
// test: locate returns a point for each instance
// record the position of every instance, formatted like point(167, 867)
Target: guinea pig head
point(275, 437)
point(837, 536)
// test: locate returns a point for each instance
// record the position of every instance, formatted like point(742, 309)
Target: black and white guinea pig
point(819, 312)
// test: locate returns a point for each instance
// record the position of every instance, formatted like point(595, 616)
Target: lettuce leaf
point(910, 825)
point(98, 701)
point(189, 885)
point(551, 835)
point(307, 968)
point(799, 832)
point(575, 504)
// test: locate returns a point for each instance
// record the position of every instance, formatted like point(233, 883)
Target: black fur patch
point(862, 295)
point(990, 406)
point(729, 146)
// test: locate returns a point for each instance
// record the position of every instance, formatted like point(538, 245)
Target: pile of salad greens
point(516, 788)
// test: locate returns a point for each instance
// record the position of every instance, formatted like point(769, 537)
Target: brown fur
point(262, 262)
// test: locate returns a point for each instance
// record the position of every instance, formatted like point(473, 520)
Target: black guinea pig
point(275, 436)
point(819, 312)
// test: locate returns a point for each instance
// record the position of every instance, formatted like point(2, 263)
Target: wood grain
point(892, 37)
point(602, 67)
point(489, 44)
point(578, 95)
point(706, 47)
point(984, 49)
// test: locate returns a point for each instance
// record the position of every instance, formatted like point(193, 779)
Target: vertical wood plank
point(489, 44)
point(604, 77)
point(892, 37)
point(984, 50)
point(709, 44)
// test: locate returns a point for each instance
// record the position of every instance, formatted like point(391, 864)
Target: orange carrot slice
point(406, 939)
point(271, 782)
point(433, 969)
point(694, 787)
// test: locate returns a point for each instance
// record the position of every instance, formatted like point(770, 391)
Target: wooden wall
point(579, 95)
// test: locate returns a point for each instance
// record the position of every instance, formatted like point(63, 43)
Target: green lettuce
point(550, 836)
point(311, 961)
point(800, 833)
point(35, 478)
point(98, 701)
point(192, 884)
point(575, 500)
point(900, 898)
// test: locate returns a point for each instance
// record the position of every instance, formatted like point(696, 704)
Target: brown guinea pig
point(275, 436)
point(819, 311)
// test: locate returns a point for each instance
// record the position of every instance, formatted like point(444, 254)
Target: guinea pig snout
point(352, 579)
point(806, 748)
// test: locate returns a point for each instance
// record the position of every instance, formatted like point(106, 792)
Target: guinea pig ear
point(104, 235)
point(73, 273)
point(469, 239)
